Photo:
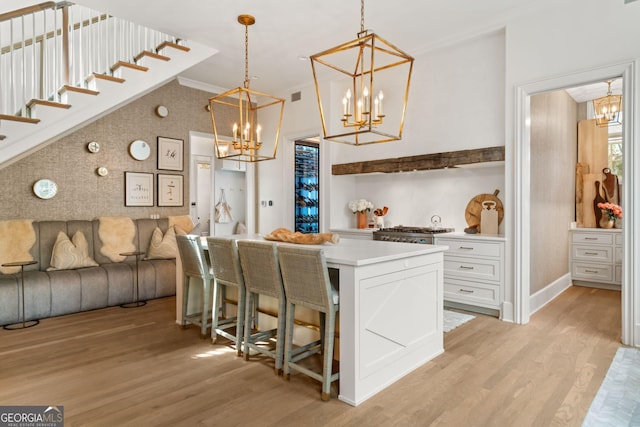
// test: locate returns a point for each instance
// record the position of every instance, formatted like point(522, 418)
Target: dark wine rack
point(307, 186)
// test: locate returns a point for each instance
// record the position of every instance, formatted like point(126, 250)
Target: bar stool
point(261, 272)
point(194, 264)
point(225, 263)
point(306, 283)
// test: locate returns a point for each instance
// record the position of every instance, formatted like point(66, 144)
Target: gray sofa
point(54, 293)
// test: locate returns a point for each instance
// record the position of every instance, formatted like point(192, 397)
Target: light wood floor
point(117, 367)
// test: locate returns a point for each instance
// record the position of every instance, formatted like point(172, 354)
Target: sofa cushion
point(17, 236)
point(71, 254)
point(163, 246)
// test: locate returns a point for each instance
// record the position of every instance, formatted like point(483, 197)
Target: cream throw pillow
point(163, 247)
point(69, 254)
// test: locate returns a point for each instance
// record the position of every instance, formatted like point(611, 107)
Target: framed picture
point(138, 189)
point(170, 190)
point(170, 153)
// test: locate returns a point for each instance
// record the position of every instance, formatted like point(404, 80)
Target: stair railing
point(49, 45)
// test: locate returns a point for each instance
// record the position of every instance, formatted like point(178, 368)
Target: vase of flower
point(362, 219)
point(610, 213)
point(605, 221)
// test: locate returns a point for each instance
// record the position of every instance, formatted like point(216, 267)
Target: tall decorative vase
point(605, 221)
point(362, 219)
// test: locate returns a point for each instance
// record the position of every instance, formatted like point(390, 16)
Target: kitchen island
point(391, 308)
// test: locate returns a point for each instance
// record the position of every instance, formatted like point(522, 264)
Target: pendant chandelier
point(373, 78)
point(608, 108)
point(241, 117)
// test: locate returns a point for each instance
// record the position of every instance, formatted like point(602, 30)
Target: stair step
point(106, 77)
point(173, 45)
point(19, 119)
point(46, 103)
point(146, 53)
point(122, 64)
point(69, 88)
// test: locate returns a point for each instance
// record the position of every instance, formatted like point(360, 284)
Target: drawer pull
point(590, 238)
point(466, 248)
point(466, 291)
point(592, 271)
point(464, 267)
point(591, 253)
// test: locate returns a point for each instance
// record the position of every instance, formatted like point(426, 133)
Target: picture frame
point(170, 190)
point(170, 154)
point(138, 189)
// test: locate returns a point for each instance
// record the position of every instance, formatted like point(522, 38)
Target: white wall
point(578, 36)
point(455, 103)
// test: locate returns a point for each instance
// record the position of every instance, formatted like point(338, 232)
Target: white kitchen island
point(391, 308)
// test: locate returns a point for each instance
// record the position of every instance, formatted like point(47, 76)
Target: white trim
point(195, 84)
point(519, 174)
point(547, 294)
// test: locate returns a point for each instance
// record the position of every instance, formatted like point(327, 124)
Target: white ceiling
point(286, 30)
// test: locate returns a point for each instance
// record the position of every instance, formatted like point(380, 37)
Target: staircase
point(63, 66)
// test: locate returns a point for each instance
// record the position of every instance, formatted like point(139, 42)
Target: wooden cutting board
point(472, 213)
point(588, 196)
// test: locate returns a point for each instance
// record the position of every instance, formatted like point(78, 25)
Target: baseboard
point(548, 293)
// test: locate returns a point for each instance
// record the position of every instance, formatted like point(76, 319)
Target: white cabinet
point(596, 257)
point(473, 271)
point(233, 165)
point(354, 233)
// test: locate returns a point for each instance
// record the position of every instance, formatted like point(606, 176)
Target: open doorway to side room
point(528, 299)
point(570, 154)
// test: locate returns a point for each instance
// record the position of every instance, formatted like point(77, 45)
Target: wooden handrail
point(27, 10)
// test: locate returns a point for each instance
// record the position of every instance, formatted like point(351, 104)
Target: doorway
point(520, 183)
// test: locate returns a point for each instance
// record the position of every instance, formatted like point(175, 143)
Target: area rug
point(617, 403)
point(453, 319)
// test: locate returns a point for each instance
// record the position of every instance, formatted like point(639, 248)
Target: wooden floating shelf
point(422, 162)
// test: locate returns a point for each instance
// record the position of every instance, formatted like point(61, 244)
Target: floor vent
point(296, 96)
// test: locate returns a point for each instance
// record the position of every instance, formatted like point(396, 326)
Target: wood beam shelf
point(448, 159)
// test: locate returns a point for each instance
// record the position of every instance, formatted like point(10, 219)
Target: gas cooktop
point(416, 230)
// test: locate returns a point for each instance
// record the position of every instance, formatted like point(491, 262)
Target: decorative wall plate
point(93, 147)
point(162, 111)
point(102, 171)
point(45, 188)
point(139, 150)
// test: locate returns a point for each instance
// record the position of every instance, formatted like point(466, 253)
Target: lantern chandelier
point(361, 69)
point(234, 114)
point(608, 109)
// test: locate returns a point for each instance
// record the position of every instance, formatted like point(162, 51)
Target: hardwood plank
point(138, 367)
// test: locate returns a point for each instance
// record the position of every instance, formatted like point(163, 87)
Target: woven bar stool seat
point(194, 265)
point(261, 272)
point(305, 277)
point(225, 263)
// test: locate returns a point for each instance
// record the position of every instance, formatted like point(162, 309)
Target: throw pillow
point(69, 254)
point(163, 247)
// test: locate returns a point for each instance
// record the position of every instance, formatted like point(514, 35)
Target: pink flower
point(614, 211)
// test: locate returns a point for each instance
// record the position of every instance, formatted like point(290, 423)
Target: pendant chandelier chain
point(246, 56)
point(361, 16)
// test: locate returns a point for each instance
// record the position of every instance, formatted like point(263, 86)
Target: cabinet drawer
point(618, 239)
point(471, 293)
point(593, 272)
point(472, 268)
point(618, 274)
point(592, 253)
point(598, 238)
point(470, 247)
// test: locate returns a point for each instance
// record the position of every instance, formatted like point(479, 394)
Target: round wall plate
point(102, 171)
point(45, 188)
point(162, 111)
point(93, 147)
point(139, 150)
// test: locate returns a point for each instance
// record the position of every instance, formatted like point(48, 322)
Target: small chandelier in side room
point(241, 117)
point(608, 108)
point(373, 75)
